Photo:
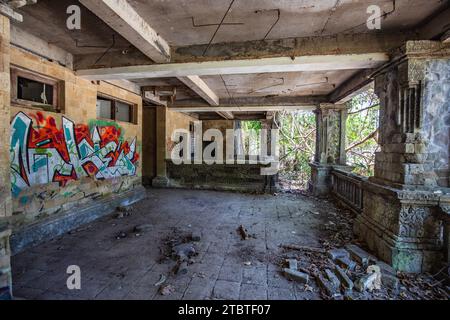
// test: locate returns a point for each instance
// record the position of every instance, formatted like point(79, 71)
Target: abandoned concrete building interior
point(110, 108)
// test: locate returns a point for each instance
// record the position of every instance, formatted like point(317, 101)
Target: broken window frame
point(57, 104)
point(113, 117)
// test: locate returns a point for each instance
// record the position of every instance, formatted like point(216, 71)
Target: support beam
point(154, 99)
point(351, 87)
point(293, 47)
point(436, 27)
point(230, 109)
point(268, 65)
point(122, 17)
point(239, 102)
point(226, 115)
point(196, 84)
point(7, 11)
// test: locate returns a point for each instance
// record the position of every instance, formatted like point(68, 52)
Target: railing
point(347, 187)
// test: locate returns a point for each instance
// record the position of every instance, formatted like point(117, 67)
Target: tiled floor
point(225, 268)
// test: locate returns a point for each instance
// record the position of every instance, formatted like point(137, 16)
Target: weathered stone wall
point(175, 121)
point(437, 117)
point(39, 195)
point(236, 177)
point(401, 202)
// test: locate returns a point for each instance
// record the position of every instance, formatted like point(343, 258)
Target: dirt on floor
point(185, 244)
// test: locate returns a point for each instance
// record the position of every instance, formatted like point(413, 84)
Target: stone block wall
point(236, 177)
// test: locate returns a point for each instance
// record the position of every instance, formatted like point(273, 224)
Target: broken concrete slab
point(333, 279)
point(326, 285)
point(347, 283)
point(366, 282)
point(346, 263)
point(296, 275)
point(374, 269)
point(292, 264)
point(333, 254)
point(359, 255)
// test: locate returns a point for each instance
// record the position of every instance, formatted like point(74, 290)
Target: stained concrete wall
point(5, 186)
point(174, 121)
point(88, 181)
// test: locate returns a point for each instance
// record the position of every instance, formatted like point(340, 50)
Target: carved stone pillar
point(330, 146)
point(412, 169)
point(5, 184)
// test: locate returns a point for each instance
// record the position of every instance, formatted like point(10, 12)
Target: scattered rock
point(346, 263)
point(338, 253)
point(161, 280)
point(296, 275)
point(181, 267)
point(333, 279)
point(359, 255)
point(243, 232)
point(374, 269)
point(184, 251)
point(366, 282)
point(166, 290)
point(347, 283)
point(326, 286)
point(121, 235)
point(292, 264)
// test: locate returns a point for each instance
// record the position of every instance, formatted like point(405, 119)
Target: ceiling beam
point(351, 87)
point(266, 65)
point(271, 101)
point(241, 108)
point(150, 96)
point(196, 84)
point(124, 19)
point(436, 26)
point(226, 115)
point(293, 47)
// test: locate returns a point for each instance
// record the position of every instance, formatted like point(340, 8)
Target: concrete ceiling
point(196, 22)
point(252, 19)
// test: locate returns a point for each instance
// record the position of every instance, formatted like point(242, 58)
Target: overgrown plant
point(297, 139)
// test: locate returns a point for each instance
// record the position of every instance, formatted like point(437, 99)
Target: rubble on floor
point(353, 274)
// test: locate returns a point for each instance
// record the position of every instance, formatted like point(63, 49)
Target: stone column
point(161, 180)
point(5, 182)
point(412, 168)
point(330, 146)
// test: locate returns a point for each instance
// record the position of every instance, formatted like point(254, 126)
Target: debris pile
point(351, 273)
point(179, 247)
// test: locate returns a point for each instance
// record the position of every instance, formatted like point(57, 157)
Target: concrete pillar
point(330, 146)
point(412, 169)
point(161, 179)
point(5, 182)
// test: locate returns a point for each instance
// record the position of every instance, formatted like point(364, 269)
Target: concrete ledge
point(65, 221)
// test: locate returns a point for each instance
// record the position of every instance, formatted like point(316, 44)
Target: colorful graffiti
point(41, 152)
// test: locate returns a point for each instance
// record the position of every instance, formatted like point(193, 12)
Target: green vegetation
point(297, 139)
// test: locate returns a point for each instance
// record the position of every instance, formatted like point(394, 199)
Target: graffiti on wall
point(41, 152)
